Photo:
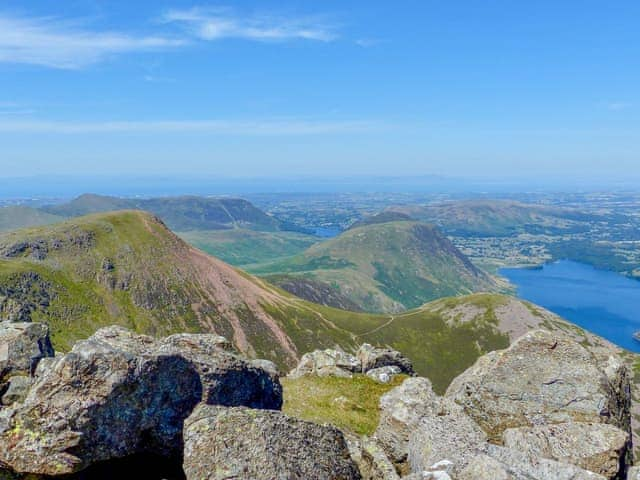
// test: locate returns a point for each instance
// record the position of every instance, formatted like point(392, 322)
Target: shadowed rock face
point(22, 346)
point(243, 444)
point(119, 394)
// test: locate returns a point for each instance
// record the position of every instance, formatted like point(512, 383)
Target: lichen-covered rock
point(484, 467)
point(500, 463)
point(373, 357)
point(446, 438)
point(324, 363)
point(246, 444)
point(598, 447)
point(542, 378)
point(119, 394)
point(373, 462)
point(16, 389)
point(384, 374)
point(401, 409)
point(22, 346)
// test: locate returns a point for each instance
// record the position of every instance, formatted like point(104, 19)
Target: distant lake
point(605, 303)
point(327, 232)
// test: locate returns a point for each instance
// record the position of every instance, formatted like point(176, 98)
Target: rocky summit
point(187, 406)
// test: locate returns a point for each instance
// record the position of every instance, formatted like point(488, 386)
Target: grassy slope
point(127, 268)
point(248, 248)
point(387, 267)
point(350, 404)
point(15, 217)
point(181, 213)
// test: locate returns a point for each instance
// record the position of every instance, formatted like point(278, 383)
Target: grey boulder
point(448, 438)
point(246, 444)
point(384, 374)
point(16, 389)
point(374, 357)
point(324, 363)
point(500, 463)
point(597, 447)
point(22, 346)
point(542, 378)
point(119, 394)
point(401, 409)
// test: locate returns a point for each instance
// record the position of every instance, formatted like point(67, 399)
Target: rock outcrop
point(384, 374)
point(243, 444)
point(379, 364)
point(542, 378)
point(500, 463)
point(597, 447)
point(371, 358)
point(325, 363)
point(401, 409)
point(545, 408)
point(448, 436)
point(22, 346)
point(118, 394)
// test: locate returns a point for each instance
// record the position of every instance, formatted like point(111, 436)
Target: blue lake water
point(327, 232)
point(606, 303)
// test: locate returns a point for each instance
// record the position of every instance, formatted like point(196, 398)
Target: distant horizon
point(71, 186)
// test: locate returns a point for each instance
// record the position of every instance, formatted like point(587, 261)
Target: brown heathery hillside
point(128, 268)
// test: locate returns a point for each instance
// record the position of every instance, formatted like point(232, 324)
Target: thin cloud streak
point(245, 128)
point(219, 23)
point(35, 41)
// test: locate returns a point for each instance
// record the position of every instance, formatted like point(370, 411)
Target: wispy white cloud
point(247, 128)
point(368, 42)
point(220, 23)
point(53, 43)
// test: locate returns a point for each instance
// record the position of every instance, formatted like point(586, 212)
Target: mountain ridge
point(385, 267)
point(127, 268)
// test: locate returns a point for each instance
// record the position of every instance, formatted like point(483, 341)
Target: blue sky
point(265, 88)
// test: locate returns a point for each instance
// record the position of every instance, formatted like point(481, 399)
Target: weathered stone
point(372, 357)
point(268, 366)
point(598, 447)
point(226, 379)
point(448, 437)
point(483, 467)
point(325, 363)
point(384, 374)
point(373, 462)
point(119, 394)
point(401, 409)
point(22, 346)
point(500, 463)
point(16, 389)
point(542, 378)
point(633, 473)
point(246, 444)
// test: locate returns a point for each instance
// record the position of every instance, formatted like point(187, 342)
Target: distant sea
point(603, 302)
